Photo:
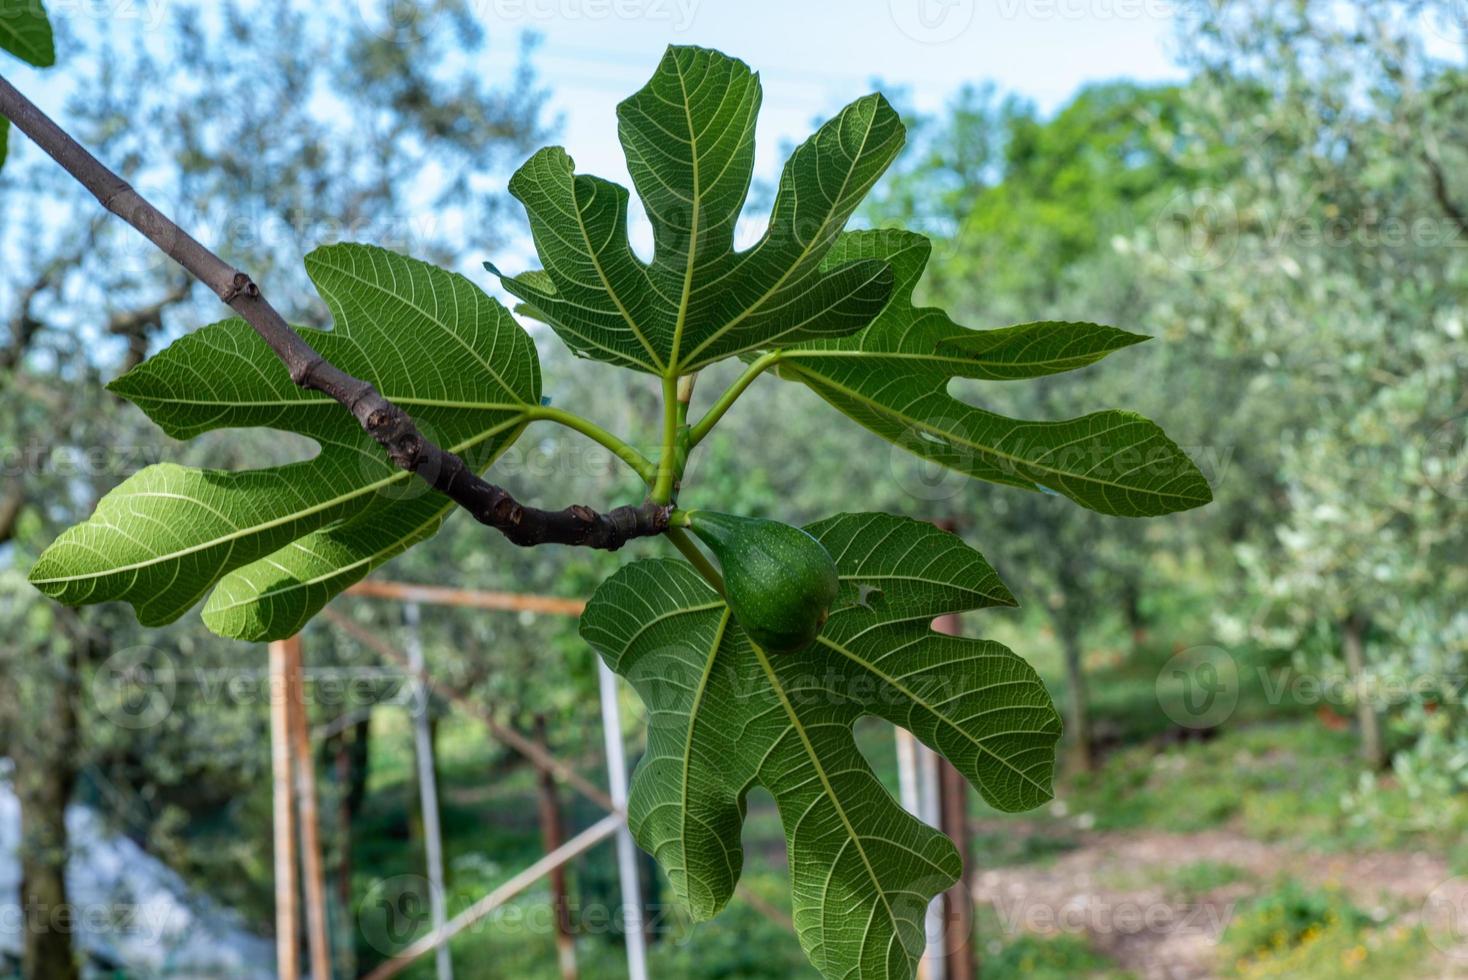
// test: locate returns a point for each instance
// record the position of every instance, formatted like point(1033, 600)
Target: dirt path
point(1118, 890)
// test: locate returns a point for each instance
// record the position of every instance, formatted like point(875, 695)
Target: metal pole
point(287, 912)
point(917, 783)
point(611, 720)
point(427, 788)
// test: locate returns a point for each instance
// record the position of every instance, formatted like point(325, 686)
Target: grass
point(1062, 957)
point(1191, 881)
point(1305, 934)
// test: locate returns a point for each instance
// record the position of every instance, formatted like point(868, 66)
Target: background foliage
point(1287, 223)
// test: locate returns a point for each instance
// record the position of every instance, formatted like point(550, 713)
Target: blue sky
point(815, 57)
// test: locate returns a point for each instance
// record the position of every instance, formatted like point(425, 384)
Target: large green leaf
point(26, 32)
point(689, 141)
point(893, 378)
point(281, 542)
point(724, 716)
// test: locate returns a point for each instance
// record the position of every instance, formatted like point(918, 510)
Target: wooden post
point(959, 960)
point(287, 912)
point(304, 769)
point(427, 788)
point(611, 719)
point(346, 953)
point(552, 835)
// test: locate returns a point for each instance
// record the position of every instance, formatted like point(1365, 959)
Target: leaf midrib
point(873, 669)
point(312, 401)
point(821, 379)
point(696, 204)
point(336, 572)
point(797, 353)
point(447, 330)
point(708, 671)
point(804, 253)
point(285, 519)
point(810, 751)
point(606, 283)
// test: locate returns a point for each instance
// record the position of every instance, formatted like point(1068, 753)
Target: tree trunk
point(1077, 714)
point(553, 836)
point(1372, 752)
point(45, 774)
point(360, 753)
point(1131, 608)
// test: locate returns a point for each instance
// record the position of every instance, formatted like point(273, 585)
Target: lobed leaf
point(689, 140)
point(893, 378)
point(281, 542)
point(724, 716)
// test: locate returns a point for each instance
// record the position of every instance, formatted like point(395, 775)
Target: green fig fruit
point(779, 581)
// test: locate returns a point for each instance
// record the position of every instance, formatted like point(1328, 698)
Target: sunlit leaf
point(26, 32)
point(893, 378)
point(689, 140)
point(725, 716)
point(280, 542)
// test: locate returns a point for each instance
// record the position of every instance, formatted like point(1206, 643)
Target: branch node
point(240, 285)
point(303, 374)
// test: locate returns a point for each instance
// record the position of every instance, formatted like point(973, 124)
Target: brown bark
point(1077, 707)
point(45, 775)
point(553, 836)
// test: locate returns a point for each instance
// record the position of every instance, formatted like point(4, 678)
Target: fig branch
point(389, 425)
